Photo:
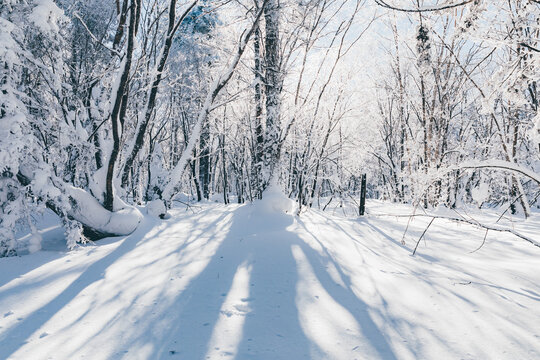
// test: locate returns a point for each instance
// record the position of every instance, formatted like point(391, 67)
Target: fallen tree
point(79, 205)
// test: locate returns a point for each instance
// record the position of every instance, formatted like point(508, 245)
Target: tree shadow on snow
point(247, 302)
point(222, 314)
point(18, 335)
point(259, 316)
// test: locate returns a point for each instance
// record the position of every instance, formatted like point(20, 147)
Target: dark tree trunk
point(204, 161)
point(119, 109)
point(191, 162)
point(223, 163)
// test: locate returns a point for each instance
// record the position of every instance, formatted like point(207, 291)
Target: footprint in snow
point(227, 313)
point(243, 308)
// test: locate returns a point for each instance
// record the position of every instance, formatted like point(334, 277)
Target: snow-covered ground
point(255, 282)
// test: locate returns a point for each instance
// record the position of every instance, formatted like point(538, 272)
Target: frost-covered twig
point(501, 216)
point(502, 165)
point(471, 222)
point(421, 9)
point(421, 236)
point(94, 37)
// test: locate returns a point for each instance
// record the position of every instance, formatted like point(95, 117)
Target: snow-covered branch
point(493, 227)
point(501, 165)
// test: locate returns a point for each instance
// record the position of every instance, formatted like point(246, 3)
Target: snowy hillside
point(256, 282)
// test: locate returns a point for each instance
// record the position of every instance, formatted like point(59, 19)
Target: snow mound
point(46, 15)
point(34, 243)
point(156, 208)
point(275, 201)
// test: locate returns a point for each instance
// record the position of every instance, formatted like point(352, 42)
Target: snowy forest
point(156, 137)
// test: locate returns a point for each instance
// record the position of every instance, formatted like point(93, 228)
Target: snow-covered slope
point(256, 282)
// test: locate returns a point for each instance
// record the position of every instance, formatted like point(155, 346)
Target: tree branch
point(384, 4)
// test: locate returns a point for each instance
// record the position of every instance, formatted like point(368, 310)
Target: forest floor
point(257, 282)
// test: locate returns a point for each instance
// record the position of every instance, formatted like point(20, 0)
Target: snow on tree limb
point(156, 80)
point(81, 206)
point(98, 220)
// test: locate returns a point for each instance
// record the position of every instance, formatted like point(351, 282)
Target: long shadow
point(345, 296)
point(268, 326)
point(184, 329)
point(16, 336)
point(197, 309)
point(19, 266)
point(273, 329)
point(378, 339)
point(156, 330)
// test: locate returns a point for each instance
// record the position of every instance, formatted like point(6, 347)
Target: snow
point(34, 242)
point(274, 202)
point(45, 15)
point(480, 193)
point(156, 208)
point(255, 281)
point(91, 213)
point(8, 46)
point(501, 164)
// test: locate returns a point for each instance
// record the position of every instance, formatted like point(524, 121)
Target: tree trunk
point(118, 112)
point(171, 188)
point(259, 136)
point(204, 161)
point(274, 82)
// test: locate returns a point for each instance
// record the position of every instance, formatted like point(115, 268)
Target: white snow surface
point(45, 15)
point(156, 208)
point(256, 282)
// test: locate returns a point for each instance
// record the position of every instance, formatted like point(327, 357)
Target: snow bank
point(218, 284)
point(46, 15)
